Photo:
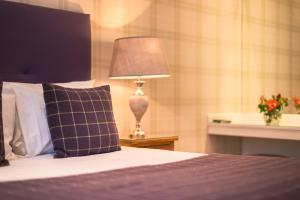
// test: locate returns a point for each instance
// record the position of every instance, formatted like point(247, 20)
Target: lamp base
point(138, 103)
point(137, 134)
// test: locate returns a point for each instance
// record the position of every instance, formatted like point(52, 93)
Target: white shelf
point(247, 134)
point(252, 125)
point(255, 131)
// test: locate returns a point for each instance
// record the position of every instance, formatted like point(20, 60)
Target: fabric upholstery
point(38, 42)
point(81, 121)
point(212, 177)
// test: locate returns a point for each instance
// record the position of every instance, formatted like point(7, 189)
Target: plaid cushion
point(3, 162)
point(81, 121)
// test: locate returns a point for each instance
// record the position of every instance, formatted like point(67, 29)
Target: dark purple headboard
point(40, 44)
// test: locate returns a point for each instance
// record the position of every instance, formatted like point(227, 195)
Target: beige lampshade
point(135, 57)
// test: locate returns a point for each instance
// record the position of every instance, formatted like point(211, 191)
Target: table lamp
point(138, 58)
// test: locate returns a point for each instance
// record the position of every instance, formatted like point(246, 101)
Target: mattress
point(44, 166)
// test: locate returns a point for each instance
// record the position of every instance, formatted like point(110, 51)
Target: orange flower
point(272, 103)
point(296, 101)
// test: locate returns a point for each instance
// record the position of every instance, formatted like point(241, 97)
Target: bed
point(52, 46)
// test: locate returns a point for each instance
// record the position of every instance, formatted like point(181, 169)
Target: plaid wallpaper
point(271, 49)
point(221, 60)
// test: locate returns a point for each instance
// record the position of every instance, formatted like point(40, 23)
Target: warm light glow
point(117, 13)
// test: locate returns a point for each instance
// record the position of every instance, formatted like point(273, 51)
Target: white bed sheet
point(45, 166)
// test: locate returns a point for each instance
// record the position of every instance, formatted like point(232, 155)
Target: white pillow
point(17, 143)
point(32, 115)
point(13, 138)
point(8, 117)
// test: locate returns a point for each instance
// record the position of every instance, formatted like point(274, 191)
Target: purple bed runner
point(210, 177)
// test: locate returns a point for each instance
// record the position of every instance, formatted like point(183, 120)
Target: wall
point(271, 49)
point(202, 39)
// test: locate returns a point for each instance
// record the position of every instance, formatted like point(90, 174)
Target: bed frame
point(40, 44)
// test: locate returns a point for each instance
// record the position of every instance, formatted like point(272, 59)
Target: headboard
point(40, 44)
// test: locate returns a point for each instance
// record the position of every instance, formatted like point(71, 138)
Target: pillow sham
point(3, 161)
point(13, 140)
point(32, 115)
point(17, 143)
point(8, 119)
point(81, 121)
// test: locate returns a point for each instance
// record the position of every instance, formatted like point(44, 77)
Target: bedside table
point(152, 142)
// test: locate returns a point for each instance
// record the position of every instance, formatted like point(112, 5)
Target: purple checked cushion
point(81, 121)
point(3, 161)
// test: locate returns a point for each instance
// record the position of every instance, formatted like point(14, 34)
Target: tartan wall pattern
point(81, 121)
point(3, 161)
point(271, 50)
point(222, 54)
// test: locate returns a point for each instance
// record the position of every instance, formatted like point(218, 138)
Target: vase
point(272, 119)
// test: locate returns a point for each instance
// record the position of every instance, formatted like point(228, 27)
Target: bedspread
point(212, 177)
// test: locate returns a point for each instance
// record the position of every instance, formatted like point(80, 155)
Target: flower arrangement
point(296, 103)
point(272, 108)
